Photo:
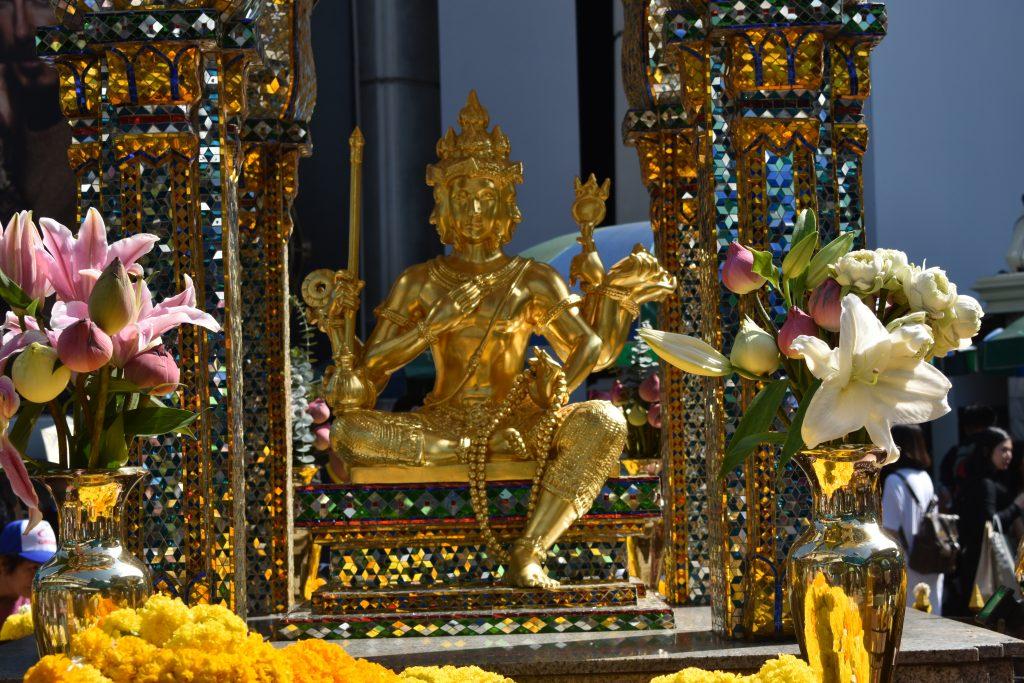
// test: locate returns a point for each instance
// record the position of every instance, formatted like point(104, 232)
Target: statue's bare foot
point(525, 569)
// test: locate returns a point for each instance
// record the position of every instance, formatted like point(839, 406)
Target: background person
point(21, 555)
point(973, 419)
point(907, 492)
point(982, 495)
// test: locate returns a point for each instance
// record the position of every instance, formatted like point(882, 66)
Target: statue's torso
point(479, 357)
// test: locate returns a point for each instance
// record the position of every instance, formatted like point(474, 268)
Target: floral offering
point(637, 391)
point(854, 347)
point(164, 640)
point(783, 669)
point(83, 342)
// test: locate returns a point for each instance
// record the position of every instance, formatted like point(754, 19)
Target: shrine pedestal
point(934, 650)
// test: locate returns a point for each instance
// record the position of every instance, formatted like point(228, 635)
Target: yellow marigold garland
point(450, 674)
point(784, 669)
point(18, 625)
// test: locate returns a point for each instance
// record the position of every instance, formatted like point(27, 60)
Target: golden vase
point(93, 572)
point(847, 577)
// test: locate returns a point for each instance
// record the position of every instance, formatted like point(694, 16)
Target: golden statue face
point(479, 211)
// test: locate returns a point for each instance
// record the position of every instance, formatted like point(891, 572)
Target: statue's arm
point(556, 316)
point(611, 308)
point(396, 338)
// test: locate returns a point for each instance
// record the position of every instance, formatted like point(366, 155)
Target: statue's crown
point(474, 151)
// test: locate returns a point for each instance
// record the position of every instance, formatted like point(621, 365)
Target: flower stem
point(61, 424)
point(763, 313)
point(99, 415)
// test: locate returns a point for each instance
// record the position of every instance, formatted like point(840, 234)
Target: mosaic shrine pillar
point(275, 134)
point(154, 92)
point(742, 114)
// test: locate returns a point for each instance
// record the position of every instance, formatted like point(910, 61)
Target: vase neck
point(844, 487)
point(91, 506)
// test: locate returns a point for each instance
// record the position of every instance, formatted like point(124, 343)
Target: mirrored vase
point(847, 577)
point(93, 572)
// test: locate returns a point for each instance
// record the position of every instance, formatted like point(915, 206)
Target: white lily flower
point(875, 379)
point(689, 354)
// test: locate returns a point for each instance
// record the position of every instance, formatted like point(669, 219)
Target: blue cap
point(38, 545)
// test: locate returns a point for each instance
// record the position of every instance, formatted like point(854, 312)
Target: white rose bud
point(931, 291)
point(861, 272)
point(895, 267)
point(946, 338)
point(967, 315)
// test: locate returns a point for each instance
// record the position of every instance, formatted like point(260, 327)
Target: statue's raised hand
point(454, 306)
point(547, 390)
point(642, 275)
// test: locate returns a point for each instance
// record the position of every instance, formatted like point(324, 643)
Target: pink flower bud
point(154, 370)
point(319, 411)
point(112, 302)
point(654, 415)
point(824, 305)
point(84, 347)
point(797, 324)
point(738, 271)
point(650, 388)
point(620, 395)
point(9, 399)
point(322, 437)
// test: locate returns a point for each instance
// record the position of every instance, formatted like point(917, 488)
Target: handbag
point(996, 564)
point(936, 545)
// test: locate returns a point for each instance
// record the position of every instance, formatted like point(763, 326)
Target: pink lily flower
point(148, 322)
point(10, 459)
point(75, 263)
point(22, 257)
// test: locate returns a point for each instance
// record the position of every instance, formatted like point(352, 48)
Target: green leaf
point(13, 294)
point(748, 444)
point(817, 269)
point(799, 256)
point(764, 266)
point(795, 440)
point(22, 430)
point(157, 421)
point(113, 447)
point(119, 385)
point(756, 420)
point(806, 224)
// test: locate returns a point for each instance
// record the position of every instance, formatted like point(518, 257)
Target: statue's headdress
point(474, 151)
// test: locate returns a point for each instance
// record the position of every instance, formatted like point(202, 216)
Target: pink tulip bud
point(650, 388)
point(319, 411)
point(84, 347)
point(654, 415)
point(595, 395)
point(9, 399)
point(824, 305)
point(797, 324)
point(620, 395)
point(112, 302)
point(322, 437)
point(154, 370)
point(738, 272)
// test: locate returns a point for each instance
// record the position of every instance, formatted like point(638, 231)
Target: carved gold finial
point(474, 150)
point(588, 210)
point(356, 142)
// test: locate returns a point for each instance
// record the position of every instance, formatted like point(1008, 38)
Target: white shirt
point(900, 511)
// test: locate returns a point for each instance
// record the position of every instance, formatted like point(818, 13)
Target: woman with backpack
point(988, 491)
point(907, 495)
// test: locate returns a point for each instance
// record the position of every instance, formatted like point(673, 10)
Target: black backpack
point(937, 542)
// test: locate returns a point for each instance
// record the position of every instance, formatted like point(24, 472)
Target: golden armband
point(620, 294)
point(550, 315)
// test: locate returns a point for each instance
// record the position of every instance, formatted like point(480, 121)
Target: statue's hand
point(548, 387)
point(587, 269)
point(643, 276)
point(345, 293)
point(454, 306)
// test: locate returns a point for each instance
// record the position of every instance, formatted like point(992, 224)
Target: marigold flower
point(54, 668)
